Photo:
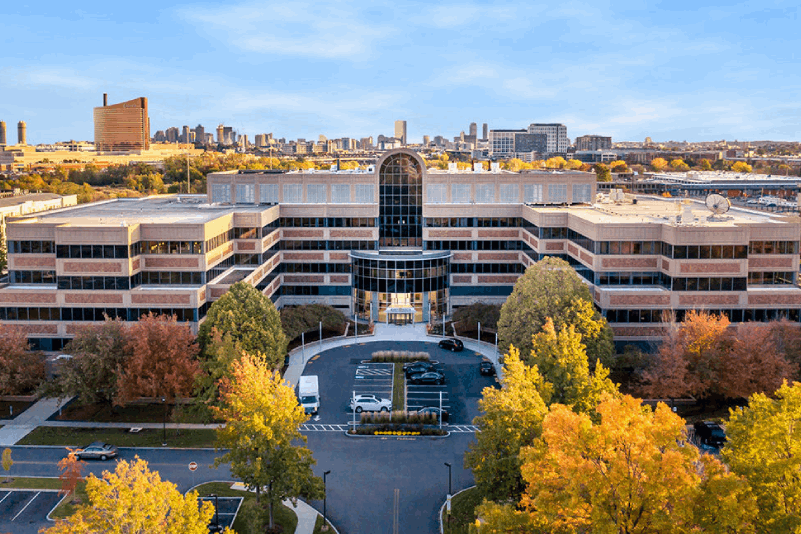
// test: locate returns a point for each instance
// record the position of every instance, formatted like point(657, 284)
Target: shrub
point(398, 417)
point(398, 356)
point(296, 320)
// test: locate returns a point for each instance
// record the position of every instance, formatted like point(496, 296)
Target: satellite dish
point(717, 204)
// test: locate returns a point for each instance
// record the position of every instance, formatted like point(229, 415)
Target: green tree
point(133, 499)
point(551, 288)
point(298, 319)
point(511, 418)
point(216, 365)
point(602, 172)
point(764, 446)
point(251, 320)
point(3, 249)
point(562, 361)
point(262, 419)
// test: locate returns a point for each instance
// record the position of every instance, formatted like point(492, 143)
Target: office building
point(484, 132)
point(516, 144)
point(2, 133)
point(473, 129)
point(395, 242)
point(22, 133)
point(200, 134)
point(593, 142)
point(400, 132)
point(558, 142)
point(122, 127)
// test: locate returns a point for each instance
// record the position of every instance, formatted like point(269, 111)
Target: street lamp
point(325, 498)
point(164, 438)
point(449, 478)
point(216, 514)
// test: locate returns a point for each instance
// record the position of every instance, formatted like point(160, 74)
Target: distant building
point(200, 134)
point(516, 143)
point(172, 134)
point(122, 127)
point(426, 140)
point(593, 142)
point(2, 133)
point(22, 130)
point(485, 132)
point(473, 129)
point(400, 131)
point(557, 136)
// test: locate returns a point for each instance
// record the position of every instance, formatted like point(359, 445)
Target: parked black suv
point(486, 368)
point(709, 434)
point(418, 367)
point(452, 344)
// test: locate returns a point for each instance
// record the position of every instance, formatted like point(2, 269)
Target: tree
point(220, 354)
point(135, 499)
point(298, 319)
point(511, 418)
point(741, 166)
point(618, 166)
point(262, 419)
point(551, 288)
point(629, 473)
point(478, 312)
point(562, 361)
point(21, 370)
point(252, 321)
point(704, 165)
point(163, 359)
point(764, 446)
point(99, 355)
point(574, 164)
point(7, 462)
point(602, 173)
point(557, 162)
point(658, 164)
point(3, 251)
point(71, 468)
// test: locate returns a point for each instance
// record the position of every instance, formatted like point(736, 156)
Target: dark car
point(709, 434)
point(452, 344)
point(97, 451)
point(432, 377)
point(418, 368)
point(435, 411)
point(486, 368)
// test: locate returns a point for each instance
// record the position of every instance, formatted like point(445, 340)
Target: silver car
point(97, 451)
point(370, 403)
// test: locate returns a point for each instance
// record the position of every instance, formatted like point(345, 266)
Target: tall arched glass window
point(400, 180)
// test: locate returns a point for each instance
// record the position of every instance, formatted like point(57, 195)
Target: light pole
point(216, 513)
point(449, 478)
point(164, 427)
point(325, 499)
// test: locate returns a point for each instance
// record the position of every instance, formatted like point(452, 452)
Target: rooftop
point(700, 177)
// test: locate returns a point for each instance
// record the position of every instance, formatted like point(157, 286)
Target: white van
point(309, 393)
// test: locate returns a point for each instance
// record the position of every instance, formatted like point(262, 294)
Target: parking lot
point(227, 508)
point(25, 510)
point(342, 372)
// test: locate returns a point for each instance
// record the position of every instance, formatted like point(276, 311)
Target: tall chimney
point(105, 99)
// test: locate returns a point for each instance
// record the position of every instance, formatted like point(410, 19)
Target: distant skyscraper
point(185, 134)
point(172, 134)
point(220, 133)
point(200, 134)
point(426, 140)
point(122, 127)
point(2, 133)
point(485, 130)
point(557, 135)
point(22, 133)
point(593, 142)
point(473, 129)
point(400, 131)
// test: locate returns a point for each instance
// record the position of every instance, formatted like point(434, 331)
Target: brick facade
point(629, 263)
point(92, 267)
point(696, 267)
point(92, 298)
point(639, 300)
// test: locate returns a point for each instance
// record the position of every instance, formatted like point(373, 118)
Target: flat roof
point(166, 209)
point(32, 197)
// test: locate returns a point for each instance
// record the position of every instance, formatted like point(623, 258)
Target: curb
point(442, 508)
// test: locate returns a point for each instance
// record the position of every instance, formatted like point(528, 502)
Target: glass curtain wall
point(400, 181)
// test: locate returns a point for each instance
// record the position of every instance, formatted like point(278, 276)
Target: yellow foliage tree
point(659, 164)
point(574, 164)
point(134, 499)
point(556, 163)
point(741, 166)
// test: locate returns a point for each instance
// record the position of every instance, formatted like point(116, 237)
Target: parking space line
point(4, 497)
point(26, 505)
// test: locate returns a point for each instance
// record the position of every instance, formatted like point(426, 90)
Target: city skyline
point(676, 72)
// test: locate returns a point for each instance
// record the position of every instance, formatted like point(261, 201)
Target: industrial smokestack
point(105, 99)
point(21, 133)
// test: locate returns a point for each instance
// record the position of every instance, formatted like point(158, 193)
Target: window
point(293, 193)
point(316, 194)
point(268, 193)
point(365, 194)
point(437, 193)
point(460, 193)
point(532, 193)
point(557, 193)
point(221, 193)
point(485, 193)
point(582, 193)
point(509, 193)
point(340, 193)
point(245, 193)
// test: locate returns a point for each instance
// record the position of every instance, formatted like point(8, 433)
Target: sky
point(671, 70)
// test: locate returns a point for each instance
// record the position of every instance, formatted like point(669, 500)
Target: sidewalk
point(307, 515)
point(22, 425)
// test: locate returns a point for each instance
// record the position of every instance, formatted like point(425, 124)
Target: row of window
point(315, 267)
point(472, 222)
point(19, 313)
point(770, 279)
point(733, 315)
point(474, 245)
point(293, 194)
point(507, 193)
point(32, 277)
point(219, 240)
point(313, 291)
point(255, 259)
point(487, 268)
point(328, 222)
point(328, 245)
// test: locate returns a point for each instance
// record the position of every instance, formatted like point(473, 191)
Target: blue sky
point(670, 70)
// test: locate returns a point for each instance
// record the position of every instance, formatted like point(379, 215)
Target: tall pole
point(188, 183)
point(325, 498)
point(450, 490)
point(440, 410)
point(164, 426)
point(321, 336)
point(303, 347)
point(479, 331)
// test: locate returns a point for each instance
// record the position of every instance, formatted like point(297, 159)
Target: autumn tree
point(71, 468)
point(618, 166)
point(764, 446)
point(216, 365)
point(21, 370)
point(163, 359)
point(511, 417)
point(134, 499)
point(574, 164)
point(705, 165)
point(659, 164)
point(252, 321)
point(741, 166)
point(630, 472)
point(262, 419)
point(561, 360)
point(551, 288)
point(602, 172)
point(7, 462)
point(679, 165)
point(557, 162)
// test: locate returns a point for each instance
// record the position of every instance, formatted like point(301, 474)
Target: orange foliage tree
point(20, 369)
point(71, 473)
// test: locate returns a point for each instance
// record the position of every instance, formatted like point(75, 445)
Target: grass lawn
point(399, 388)
point(318, 525)
point(120, 437)
point(462, 512)
point(132, 413)
point(29, 483)
point(66, 507)
point(283, 515)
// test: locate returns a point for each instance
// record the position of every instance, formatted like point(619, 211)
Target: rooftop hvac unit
point(452, 167)
point(495, 166)
point(478, 166)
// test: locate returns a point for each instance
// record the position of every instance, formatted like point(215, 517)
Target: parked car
point(452, 344)
point(431, 377)
point(486, 368)
point(418, 368)
point(710, 434)
point(97, 451)
point(370, 403)
point(434, 410)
